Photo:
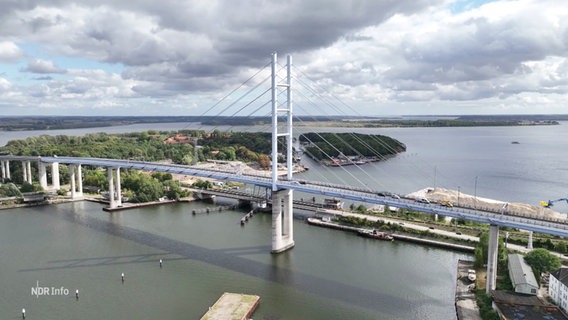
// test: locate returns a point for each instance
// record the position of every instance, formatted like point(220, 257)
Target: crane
point(550, 203)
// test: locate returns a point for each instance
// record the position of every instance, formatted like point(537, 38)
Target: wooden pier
point(232, 306)
point(247, 217)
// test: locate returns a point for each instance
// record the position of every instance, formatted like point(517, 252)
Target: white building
point(558, 287)
point(521, 275)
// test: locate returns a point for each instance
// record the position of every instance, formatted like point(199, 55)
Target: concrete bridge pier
point(42, 175)
point(27, 171)
point(5, 170)
point(530, 242)
point(55, 176)
point(492, 256)
point(114, 190)
point(76, 181)
point(282, 223)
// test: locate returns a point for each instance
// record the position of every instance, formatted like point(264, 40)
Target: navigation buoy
point(23, 313)
point(122, 276)
point(77, 294)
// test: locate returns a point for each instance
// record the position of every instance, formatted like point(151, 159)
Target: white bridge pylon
point(282, 199)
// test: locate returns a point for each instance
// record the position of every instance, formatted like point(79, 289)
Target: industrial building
point(522, 276)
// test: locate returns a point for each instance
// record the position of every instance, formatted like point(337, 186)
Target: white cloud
point(367, 52)
point(10, 52)
point(42, 66)
point(4, 85)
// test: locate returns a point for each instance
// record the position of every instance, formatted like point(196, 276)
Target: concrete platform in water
point(232, 306)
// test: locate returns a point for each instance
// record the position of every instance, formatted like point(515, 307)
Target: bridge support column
point(530, 242)
point(24, 172)
point(71, 168)
point(80, 180)
point(76, 181)
point(42, 175)
point(42, 168)
point(282, 223)
point(7, 164)
point(118, 188)
point(55, 176)
point(114, 190)
point(492, 255)
point(5, 169)
point(112, 203)
point(29, 166)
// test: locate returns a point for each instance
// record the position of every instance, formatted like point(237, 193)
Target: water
point(455, 158)
point(328, 275)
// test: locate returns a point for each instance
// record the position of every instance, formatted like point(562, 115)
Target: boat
point(332, 203)
point(471, 276)
point(375, 234)
point(261, 205)
point(515, 142)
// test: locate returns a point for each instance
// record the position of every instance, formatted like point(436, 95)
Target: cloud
point(42, 67)
point(10, 52)
point(4, 85)
point(369, 52)
point(498, 50)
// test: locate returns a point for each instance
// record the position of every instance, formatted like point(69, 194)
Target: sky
point(379, 57)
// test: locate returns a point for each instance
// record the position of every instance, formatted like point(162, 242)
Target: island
point(341, 149)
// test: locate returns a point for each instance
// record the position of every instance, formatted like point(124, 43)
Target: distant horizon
point(296, 115)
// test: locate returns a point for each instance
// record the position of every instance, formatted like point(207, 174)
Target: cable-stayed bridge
point(281, 187)
point(530, 222)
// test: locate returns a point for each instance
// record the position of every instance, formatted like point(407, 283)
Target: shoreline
point(405, 238)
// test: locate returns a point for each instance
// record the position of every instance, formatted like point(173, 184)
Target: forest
point(178, 147)
point(143, 146)
point(323, 146)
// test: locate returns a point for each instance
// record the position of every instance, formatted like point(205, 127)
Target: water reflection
point(226, 258)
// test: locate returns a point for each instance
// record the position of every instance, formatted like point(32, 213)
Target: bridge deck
point(519, 220)
point(232, 306)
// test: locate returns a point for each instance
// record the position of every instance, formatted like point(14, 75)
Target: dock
point(400, 237)
point(232, 306)
point(247, 217)
point(466, 303)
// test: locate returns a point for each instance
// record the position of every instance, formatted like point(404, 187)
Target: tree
point(96, 179)
point(561, 247)
point(28, 187)
point(542, 261)
point(264, 161)
point(481, 250)
point(478, 255)
point(9, 190)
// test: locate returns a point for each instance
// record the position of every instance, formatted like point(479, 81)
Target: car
point(458, 233)
point(395, 196)
point(431, 228)
point(423, 200)
point(446, 203)
point(401, 223)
